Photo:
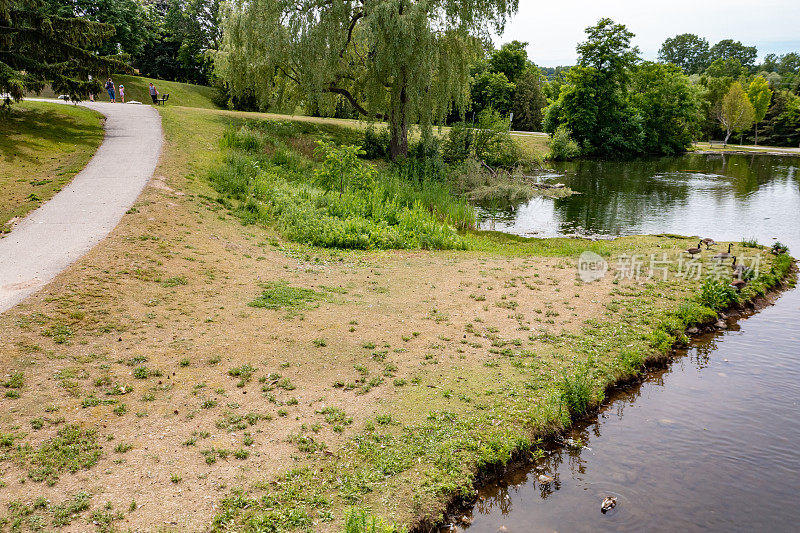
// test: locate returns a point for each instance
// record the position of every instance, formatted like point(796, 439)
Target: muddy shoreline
point(458, 506)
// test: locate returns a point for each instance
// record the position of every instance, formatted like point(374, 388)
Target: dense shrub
point(489, 141)
point(341, 170)
point(458, 144)
point(562, 146)
point(375, 143)
point(716, 294)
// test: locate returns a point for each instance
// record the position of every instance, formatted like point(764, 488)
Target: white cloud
point(553, 29)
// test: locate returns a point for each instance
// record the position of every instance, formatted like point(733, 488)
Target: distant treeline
point(267, 55)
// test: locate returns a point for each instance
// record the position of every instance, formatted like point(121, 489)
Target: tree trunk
point(398, 124)
point(756, 128)
point(727, 136)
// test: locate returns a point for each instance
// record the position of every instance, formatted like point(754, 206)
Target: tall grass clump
point(716, 294)
point(750, 242)
point(360, 521)
point(577, 390)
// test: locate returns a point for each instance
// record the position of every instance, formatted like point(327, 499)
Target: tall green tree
point(608, 50)
point(760, 96)
point(782, 123)
point(735, 112)
point(401, 60)
point(511, 59)
point(668, 105)
point(726, 68)
point(186, 31)
point(492, 90)
point(38, 48)
point(594, 104)
point(687, 50)
point(529, 101)
point(730, 49)
point(133, 21)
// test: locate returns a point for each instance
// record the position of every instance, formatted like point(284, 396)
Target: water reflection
point(623, 198)
point(710, 442)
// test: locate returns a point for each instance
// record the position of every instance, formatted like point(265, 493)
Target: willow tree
point(403, 61)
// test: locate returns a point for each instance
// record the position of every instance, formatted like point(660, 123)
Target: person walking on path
point(153, 93)
point(110, 89)
point(122, 93)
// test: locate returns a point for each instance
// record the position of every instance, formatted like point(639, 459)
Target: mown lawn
point(42, 146)
point(137, 88)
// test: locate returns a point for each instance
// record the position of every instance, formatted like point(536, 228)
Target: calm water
point(713, 441)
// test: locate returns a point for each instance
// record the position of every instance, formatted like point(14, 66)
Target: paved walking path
point(62, 230)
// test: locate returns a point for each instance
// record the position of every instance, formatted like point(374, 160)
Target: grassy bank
point(237, 379)
point(42, 146)
point(138, 88)
point(741, 148)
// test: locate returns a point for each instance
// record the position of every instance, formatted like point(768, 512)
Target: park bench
point(718, 143)
point(161, 99)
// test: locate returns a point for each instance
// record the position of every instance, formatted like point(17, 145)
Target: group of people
point(109, 86)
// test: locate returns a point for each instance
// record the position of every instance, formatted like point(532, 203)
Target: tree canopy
point(39, 47)
point(183, 34)
point(735, 112)
point(730, 49)
point(760, 96)
point(133, 21)
point(612, 106)
point(511, 59)
point(403, 61)
point(687, 50)
point(608, 49)
point(529, 101)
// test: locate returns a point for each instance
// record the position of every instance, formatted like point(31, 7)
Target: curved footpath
point(62, 230)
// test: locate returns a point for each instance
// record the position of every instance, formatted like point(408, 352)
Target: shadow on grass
point(26, 129)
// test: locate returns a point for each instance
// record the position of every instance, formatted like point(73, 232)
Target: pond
point(713, 440)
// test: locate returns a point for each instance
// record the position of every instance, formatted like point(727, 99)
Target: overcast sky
point(553, 28)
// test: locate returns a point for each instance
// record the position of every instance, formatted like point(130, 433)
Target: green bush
point(489, 141)
point(493, 143)
point(562, 146)
point(341, 169)
point(716, 294)
point(375, 143)
point(457, 146)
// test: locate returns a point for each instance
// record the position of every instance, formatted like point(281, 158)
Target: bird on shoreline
point(725, 255)
point(708, 242)
point(740, 271)
point(695, 250)
point(738, 284)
